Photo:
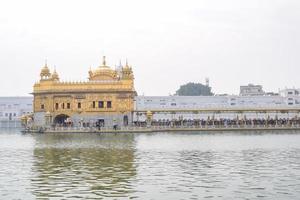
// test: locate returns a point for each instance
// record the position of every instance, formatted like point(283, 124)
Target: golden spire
point(55, 76)
point(46, 64)
point(90, 72)
point(103, 62)
point(126, 65)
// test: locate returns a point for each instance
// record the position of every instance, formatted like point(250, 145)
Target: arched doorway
point(60, 119)
point(125, 120)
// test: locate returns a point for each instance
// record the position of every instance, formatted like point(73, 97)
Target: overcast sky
point(168, 43)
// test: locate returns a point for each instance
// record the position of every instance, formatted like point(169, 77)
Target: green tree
point(194, 89)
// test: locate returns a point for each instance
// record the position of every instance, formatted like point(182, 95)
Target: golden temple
point(106, 98)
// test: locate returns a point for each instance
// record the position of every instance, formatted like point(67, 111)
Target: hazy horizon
point(168, 43)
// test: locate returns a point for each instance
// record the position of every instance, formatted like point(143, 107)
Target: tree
point(194, 89)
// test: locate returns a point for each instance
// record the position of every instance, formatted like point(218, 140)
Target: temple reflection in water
point(67, 165)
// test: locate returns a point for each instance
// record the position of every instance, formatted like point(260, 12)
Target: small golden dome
point(45, 71)
point(55, 75)
point(127, 72)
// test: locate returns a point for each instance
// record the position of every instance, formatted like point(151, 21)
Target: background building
point(202, 107)
point(12, 109)
point(251, 90)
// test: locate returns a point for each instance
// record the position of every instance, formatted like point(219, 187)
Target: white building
point(251, 90)
point(284, 105)
point(202, 107)
point(289, 92)
point(12, 108)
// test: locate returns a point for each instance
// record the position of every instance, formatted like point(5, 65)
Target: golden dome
point(103, 72)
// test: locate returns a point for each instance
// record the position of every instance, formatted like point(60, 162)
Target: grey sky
point(168, 43)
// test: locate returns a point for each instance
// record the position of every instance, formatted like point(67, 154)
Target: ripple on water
point(149, 166)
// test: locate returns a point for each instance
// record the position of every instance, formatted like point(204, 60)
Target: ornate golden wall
point(114, 88)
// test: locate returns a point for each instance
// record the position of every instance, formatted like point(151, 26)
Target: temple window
point(56, 106)
point(94, 104)
point(109, 104)
point(79, 105)
point(100, 104)
point(63, 106)
point(43, 106)
point(68, 105)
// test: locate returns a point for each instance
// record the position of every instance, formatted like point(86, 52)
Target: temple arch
point(125, 120)
point(60, 119)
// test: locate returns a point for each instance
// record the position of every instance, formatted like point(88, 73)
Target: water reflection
point(83, 166)
point(150, 166)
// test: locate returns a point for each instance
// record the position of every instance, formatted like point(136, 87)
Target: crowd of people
point(221, 122)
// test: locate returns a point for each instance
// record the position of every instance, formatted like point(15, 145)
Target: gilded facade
point(106, 98)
